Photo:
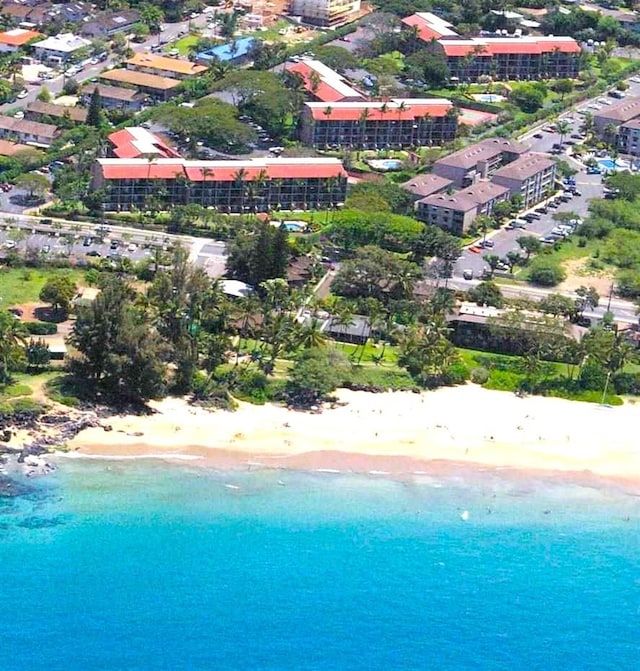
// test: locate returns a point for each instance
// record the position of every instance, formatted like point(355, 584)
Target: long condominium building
point(256, 185)
point(504, 58)
point(509, 58)
point(397, 123)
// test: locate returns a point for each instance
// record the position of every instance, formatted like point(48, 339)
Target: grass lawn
point(506, 374)
point(184, 44)
point(23, 285)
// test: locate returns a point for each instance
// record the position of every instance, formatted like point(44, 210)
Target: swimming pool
point(607, 164)
point(488, 97)
point(386, 164)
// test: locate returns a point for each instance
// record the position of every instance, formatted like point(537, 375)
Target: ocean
point(141, 566)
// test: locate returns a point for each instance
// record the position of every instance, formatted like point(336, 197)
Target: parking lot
point(505, 240)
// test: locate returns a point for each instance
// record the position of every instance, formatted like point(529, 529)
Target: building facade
point(629, 138)
point(163, 66)
point(158, 88)
point(27, 132)
point(324, 12)
point(456, 212)
point(258, 185)
point(114, 97)
point(59, 49)
point(532, 177)
point(510, 58)
point(397, 123)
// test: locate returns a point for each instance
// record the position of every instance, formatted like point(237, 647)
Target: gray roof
point(524, 167)
point(29, 127)
point(49, 109)
point(470, 156)
point(359, 327)
point(112, 92)
point(426, 184)
point(467, 199)
point(634, 124)
point(625, 110)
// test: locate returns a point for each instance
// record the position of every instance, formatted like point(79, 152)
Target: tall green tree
point(94, 112)
point(13, 339)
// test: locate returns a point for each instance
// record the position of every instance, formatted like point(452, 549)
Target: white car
point(23, 94)
point(132, 247)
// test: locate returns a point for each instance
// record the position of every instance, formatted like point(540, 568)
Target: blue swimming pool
point(607, 163)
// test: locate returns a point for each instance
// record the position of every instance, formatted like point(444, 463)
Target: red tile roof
point(222, 171)
point(18, 37)
point(331, 87)
point(135, 142)
point(430, 27)
point(488, 47)
point(380, 111)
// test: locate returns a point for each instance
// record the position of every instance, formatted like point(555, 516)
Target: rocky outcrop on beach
point(27, 439)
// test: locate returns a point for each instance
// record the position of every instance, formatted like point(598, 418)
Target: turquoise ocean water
point(145, 566)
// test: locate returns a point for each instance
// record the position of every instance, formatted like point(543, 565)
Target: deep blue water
point(123, 566)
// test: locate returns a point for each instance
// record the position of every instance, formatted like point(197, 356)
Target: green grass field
point(23, 285)
point(184, 44)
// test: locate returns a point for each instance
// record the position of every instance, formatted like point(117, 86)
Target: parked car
point(548, 239)
point(542, 209)
point(486, 244)
point(87, 242)
point(23, 94)
point(467, 274)
point(95, 253)
point(593, 170)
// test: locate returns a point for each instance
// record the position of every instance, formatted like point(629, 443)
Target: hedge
point(41, 328)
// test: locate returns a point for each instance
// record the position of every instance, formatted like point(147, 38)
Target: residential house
point(108, 24)
point(12, 148)
point(254, 185)
point(158, 88)
point(532, 177)
point(27, 132)
point(328, 13)
point(455, 212)
point(363, 124)
point(12, 40)
point(323, 83)
point(478, 161)
point(114, 97)
point(40, 111)
point(138, 142)
point(163, 66)
point(356, 332)
point(59, 49)
point(237, 52)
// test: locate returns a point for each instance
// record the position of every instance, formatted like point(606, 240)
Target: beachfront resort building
point(255, 185)
point(328, 13)
point(504, 58)
point(396, 123)
point(323, 83)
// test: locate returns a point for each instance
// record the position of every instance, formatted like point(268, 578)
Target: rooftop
point(222, 171)
point(18, 37)
point(426, 184)
point(28, 127)
point(65, 42)
point(11, 148)
point(228, 52)
point(60, 111)
point(623, 111)
point(491, 46)
point(397, 109)
point(634, 124)
point(140, 79)
point(470, 156)
point(329, 86)
point(525, 167)
point(136, 141)
point(429, 26)
point(467, 199)
point(112, 92)
point(147, 60)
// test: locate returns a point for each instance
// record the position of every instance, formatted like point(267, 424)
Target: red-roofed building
point(323, 83)
point(396, 123)
point(510, 58)
point(12, 40)
point(429, 27)
point(137, 142)
point(256, 185)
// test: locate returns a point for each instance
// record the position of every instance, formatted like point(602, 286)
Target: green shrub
point(252, 386)
point(480, 375)
point(41, 328)
point(593, 376)
point(627, 383)
point(457, 373)
point(546, 272)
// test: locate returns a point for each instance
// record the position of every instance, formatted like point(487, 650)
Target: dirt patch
point(579, 274)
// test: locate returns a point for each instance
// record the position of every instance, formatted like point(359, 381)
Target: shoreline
point(392, 433)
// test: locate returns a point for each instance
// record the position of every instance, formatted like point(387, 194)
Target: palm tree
point(402, 108)
point(563, 127)
point(13, 340)
point(362, 121)
point(312, 335)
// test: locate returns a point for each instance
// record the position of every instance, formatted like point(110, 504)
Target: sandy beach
point(393, 432)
